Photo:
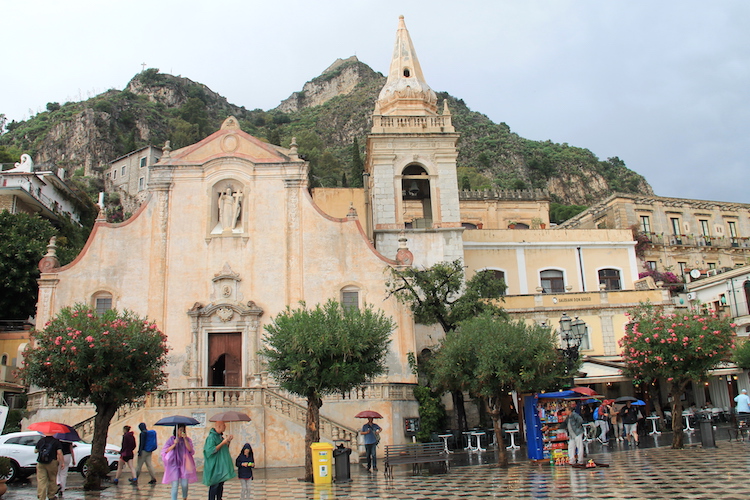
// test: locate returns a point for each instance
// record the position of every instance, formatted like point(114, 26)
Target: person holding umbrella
point(629, 416)
point(371, 431)
point(48, 461)
point(179, 465)
point(218, 464)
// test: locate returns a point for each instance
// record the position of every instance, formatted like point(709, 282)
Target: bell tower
point(411, 160)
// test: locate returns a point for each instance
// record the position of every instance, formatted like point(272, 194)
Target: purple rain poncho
point(178, 463)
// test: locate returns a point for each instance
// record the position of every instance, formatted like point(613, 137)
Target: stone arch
point(416, 195)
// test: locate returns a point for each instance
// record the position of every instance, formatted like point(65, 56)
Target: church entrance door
point(225, 359)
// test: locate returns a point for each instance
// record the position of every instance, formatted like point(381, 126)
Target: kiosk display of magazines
point(546, 435)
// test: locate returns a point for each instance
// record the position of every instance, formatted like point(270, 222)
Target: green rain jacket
point(218, 465)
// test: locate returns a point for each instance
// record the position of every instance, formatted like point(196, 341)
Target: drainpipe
point(368, 208)
point(580, 264)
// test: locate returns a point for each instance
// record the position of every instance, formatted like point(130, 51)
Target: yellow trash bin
point(322, 454)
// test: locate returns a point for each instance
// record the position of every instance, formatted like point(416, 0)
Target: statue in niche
point(230, 204)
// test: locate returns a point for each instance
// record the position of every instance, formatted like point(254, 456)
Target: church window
point(407, 73)
point(102, 302)
point(4, 360)
point(350, 298)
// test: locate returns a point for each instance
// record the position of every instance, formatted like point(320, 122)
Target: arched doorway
point(224, 359)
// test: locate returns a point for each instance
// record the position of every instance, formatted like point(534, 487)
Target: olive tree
point(325, 350)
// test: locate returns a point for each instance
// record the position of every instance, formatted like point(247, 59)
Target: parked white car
point(19, 447)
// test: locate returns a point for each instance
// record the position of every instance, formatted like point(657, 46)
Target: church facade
point(229, 236)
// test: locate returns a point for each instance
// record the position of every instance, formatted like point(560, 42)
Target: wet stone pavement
point(650, 471)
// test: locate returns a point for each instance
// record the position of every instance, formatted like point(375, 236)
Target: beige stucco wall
point(165, 259)
point(522, 254)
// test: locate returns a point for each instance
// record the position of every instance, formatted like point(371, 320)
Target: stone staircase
point(202, 398)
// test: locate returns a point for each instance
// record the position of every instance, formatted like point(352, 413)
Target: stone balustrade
point(289, 405)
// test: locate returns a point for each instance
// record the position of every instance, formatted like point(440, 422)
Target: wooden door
point(225, 359)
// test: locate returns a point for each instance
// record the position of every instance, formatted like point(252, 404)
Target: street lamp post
point(571, 335)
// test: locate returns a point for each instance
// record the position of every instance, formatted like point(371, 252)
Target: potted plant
point(536, 223)
point(512, 224)
point(5, 471)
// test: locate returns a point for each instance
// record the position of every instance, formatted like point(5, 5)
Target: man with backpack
point(48, 460)
point(146, 445)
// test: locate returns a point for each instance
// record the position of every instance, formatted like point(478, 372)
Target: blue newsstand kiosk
point(534, 436)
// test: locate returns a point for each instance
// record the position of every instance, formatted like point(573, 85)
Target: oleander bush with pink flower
point(676, 348)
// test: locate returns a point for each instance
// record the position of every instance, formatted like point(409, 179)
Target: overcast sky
point(663, 85)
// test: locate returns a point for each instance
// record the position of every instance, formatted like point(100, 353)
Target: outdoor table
point(478, 435)
point(687, 415)
point(653, 423)
point(513, 445)
point(467, 435)
point(445, 437)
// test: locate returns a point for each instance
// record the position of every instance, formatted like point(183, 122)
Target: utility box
point(322, 454)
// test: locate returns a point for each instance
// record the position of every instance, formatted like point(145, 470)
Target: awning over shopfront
point(600, 372)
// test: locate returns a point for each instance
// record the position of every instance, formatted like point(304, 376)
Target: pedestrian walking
point(127, 452)
point(69, 459)
point(371, 432)
point(629, 416)
point(179, 464)
point(245, 463)
point(601, 416)
point(147, 444)
point(217, 462)
point(48, 460)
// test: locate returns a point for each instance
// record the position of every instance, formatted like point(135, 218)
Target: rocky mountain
point(327, 116)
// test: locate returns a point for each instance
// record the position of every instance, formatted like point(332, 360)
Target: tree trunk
point(98, 466)
point(658, 407)
point(494, 409)
point(312, 434)
point(460, 409)
point(676, 388)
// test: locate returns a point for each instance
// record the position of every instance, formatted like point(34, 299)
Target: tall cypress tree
point(356, 166)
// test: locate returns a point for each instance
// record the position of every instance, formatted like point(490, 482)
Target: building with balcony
point(25, 189)
point(676, 234)
point(229, 236)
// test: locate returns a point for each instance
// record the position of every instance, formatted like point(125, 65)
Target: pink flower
point(89, 339)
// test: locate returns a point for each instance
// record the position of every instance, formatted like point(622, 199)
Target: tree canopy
point(438, 294)
point(325, 350)
point(488, 357)
point(108, 360)
point(678, 348)
point(22, 246)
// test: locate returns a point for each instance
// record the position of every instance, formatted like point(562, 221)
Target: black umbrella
point(625, 399)
point(177, 420)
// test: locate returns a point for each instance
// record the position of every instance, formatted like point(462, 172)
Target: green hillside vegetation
point(156, 107)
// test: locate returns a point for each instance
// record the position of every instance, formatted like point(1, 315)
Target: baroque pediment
point(230, 141)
